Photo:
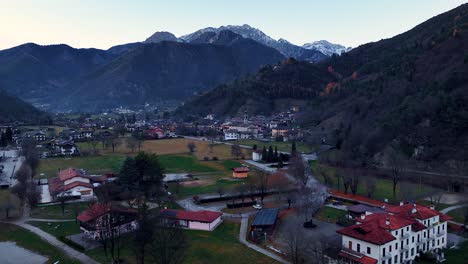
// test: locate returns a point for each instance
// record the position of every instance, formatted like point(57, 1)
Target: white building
point(395, 236)
point(256, 155)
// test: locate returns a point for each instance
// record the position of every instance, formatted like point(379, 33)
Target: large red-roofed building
point(197, 220)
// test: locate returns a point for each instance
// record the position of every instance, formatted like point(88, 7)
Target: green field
point(58, 229)
point(212, 187)
point(92, 164)
point(55, 211)
point(282, 146)
point(174, 163)
point(219, 246)
point(28, 240)
point(329, 214)
point(458, 215)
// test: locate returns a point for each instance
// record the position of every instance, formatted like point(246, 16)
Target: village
point(250, 188)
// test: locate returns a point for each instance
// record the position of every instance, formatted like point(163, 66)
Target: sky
point(105, 23)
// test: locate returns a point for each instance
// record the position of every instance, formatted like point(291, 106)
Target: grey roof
point(361, 208)
point(265, 217)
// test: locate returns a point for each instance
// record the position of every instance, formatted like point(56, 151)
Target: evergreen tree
point(275, 157)
point(280, 161)
point(293, 149)
point(264, 154)
point(271, 154)
point(9, 135)
point(254, 148)
point(3, 141)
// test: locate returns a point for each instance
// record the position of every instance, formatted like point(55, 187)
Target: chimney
point(414, 209)
point(387, 221)
point(363, 216)
point(402, 203)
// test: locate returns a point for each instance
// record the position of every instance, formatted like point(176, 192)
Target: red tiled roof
point(370, 232)
point(69, 174)
point(421, 213)
point(358, 198)
point(97, 210)
point(417, 226)
point(199, 216)
point(395, 222)
point(241, 169)
point(357, 257)
point(76, 184)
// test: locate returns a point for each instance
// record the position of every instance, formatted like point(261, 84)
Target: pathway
point(448, 209)
point(243, 240)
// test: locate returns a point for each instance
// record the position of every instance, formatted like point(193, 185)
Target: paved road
point(243, 240)
point(448, 209)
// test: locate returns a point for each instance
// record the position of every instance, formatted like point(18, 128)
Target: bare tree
point(7, 205)
point(297, 244)
point(93, 143)
point(298, 170)
point(20, 190)
point(241, 191)
point(132, 144)
point(33, 195)
point(24, 173)
point(220, 191)
point(396, 165)
point(354, 180)
point(62, 201)
point(115, 142)
point(309, 199)
point(236, 150)
point(191, 147)
point(262, 183)
point(168, 245)
point(370, 184)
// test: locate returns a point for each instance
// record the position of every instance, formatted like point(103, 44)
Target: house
point(71, 183)
point(101, 220)
point(36, 135)
point(395, 236)
point(195, 220)
point(154, 133)
point(256, 155)
point(240, 172)
point(62, 148)
point(231, 134)
point(264, 224)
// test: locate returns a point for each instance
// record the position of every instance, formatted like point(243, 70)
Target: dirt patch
point(196, 183)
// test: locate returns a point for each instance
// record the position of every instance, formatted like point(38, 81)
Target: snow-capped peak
point(326, 47)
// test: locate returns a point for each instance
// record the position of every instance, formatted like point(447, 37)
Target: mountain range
point(13, 109)
point(163, 67)
point(411, 89)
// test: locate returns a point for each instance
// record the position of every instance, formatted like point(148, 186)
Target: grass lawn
point(457, 256)
point(174, 163)
point(329, 214)
point(55, 211)
point(457, 215)
point(221, 246)
point(92, 164)
point(214, 182)
point(28, 240)
point(282, 146)
point(170, 146)
point(58, 229)
point(7, 198)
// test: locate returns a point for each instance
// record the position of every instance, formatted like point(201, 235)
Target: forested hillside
point(13, 109)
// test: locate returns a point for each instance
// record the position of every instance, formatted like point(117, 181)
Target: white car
point(257, 206)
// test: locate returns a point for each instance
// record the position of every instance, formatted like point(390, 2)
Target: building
point(155, 133)
point(240, 172)
point(257, 155)
point(264, 224)
point(72, 183)
point(195, 220)
point(231, 134)
point(101, 220)
point(395, 236)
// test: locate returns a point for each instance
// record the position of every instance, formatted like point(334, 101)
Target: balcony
point(440, 233)
point(387, 256)
point(405, 235)
point(404, 248)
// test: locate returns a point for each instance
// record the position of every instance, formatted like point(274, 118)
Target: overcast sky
point(104, 23)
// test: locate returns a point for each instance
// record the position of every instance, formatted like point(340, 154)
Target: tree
point(309, 199)
point(262, 183)
point(271, 154)
point(191, 147)
point(132, 144)
point(33, 195)
point(7, 205)
point(298, 170)
point(143, 235)
point(395, 163)
point(241, 191)
point(236, 150)
point(264, 154)
point(297, 244)
point(168, 245)
point(9, 135)
point(370, 184)
point(24, 173)
point(280, 162)
point(93, 143)
point(62, 199)
point(20, 190)
point(293, 149)
point(114, 141)
point(31, 154)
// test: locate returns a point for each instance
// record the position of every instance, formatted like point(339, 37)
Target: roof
point(97, 210)
point(241, 169)
point(370, 232)
point(356, 256)
point(199, 216)
point(77, 184)
point(360, 208)
point(69, 174)
point(395, 222)
point(266, 217)
point(421, 212)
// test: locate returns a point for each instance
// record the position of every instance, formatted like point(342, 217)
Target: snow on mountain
point(326, 47)
point(286, 48)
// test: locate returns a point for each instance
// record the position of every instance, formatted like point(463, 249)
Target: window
point(368, 250)
point(433, 243)
point(424, 233)
point(396, 245)
point(358, 247)
point(419, 239)
point(390, 248)
point(443, 240)
point(424, 247)
point(383, 252)
point(396, 232)
point(443, 227)
point(406, 254)
point(350, 244)
point(412, 252)
point(438, 229)
point(396, 259)
point(407, 241)
point(412, 239)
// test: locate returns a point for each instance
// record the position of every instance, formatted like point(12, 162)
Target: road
point(448, 209)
